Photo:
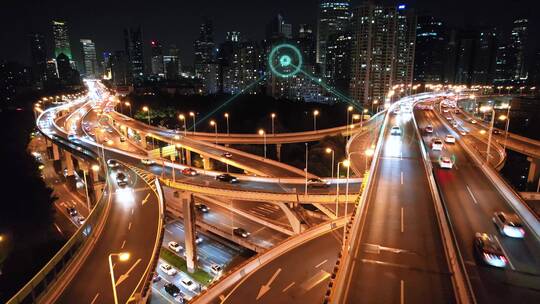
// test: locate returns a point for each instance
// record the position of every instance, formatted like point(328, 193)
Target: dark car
point(121, 179)
point(202, 208)
point(189, 172)
point(72, 211)
point(488, 249)
point(112, 163)
point(227, 155)
point(496, 132)
point(241, 232)
point(172, 289)
point(227, 178)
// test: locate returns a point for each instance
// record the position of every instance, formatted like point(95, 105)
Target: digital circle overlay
point(285, 60)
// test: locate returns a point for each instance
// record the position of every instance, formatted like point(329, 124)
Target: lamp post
point(147, 110)
point(347, 164)
point(227, 119)
point(183, 119)
point(507, 118)
point(375, 102)
point(349, 110)
point(337, 184)
point(331, 151)
point(485, 109)
point(273, 116)
point(364, 112)
point(192, 114)
point(214, 124)
point(315, 114)
point(122, 256)
point(306, 168)
point(263, 134)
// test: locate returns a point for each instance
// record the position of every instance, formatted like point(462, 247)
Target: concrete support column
point(293, 220)
point(56, 152)
point(278, 151)
point(189, 213)
point(143, 139)
point(70, 178)
point(173, 157)
point(207, 165)
point(534, 170)
point(188, 157)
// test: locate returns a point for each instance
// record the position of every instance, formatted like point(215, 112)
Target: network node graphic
point(285, 60)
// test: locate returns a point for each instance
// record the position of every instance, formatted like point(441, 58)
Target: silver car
point(509, 224)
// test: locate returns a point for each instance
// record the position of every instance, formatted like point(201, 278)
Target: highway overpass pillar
point(143, 139)
point(70, 177)
point(291, 217)
point(188, 157)
point(56, 152)
point(188, 206)
point(207, 165)
point(534, 170)
point(278, 151)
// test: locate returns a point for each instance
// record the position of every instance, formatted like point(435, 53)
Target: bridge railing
point(72, 250)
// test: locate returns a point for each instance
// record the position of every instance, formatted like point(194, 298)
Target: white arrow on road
point(145, 199)
point(266, 287)
point(123, 277)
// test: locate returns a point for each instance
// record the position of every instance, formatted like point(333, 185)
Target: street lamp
point(122, 257)
point(315, 114)
point(331, 151)
point(364, 112)
point(349, 110)
point(192, 114)
point(273, 116)
point(214, 124)
point(183, 118)
point(485, 109)
point(375, 102)
point(346, 164)
point(129, 105)
point(227, 118)
point(263, 134)
point(507, 118)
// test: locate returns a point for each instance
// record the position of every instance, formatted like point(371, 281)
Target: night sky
point(177, 22)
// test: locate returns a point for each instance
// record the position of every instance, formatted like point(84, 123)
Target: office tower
point(517, 48)
point(106, 65)
point(450, 57)
point(66, 74)
point(134, 50)
point(485, 57)
point(120, 68)
point(172, 63)
point(338, 61)
point(334, 19)
point(38, 59)
point(465, 57)
point(382, 52)
point(430, 50)
point(61, 39)
point(89, 58)
point(306, 42)
point(157, 58)
point(52, 69)
point(286, 30)
point(204, 48)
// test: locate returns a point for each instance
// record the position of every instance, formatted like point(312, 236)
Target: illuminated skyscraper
point(334, 19)
point(204, 47)
point(61, 39)
point(383, 51)
point(518, 42)
point(157, 58)
point(134, 50)
point(89, 58)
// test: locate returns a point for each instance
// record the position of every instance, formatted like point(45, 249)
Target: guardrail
point(462, 286)
point(218, 288)
point(338, 283)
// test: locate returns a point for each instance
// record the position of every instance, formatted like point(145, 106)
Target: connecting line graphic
point(231, 99)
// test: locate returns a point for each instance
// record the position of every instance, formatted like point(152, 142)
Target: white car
point(509, 224)
point(473, 121)
point(188, 284)
point(174, 246)
point(216, 269)
point(437, 144)
point(168, 269)
point(429, 129)
point(112, 163)
point(450, 139)
point(147, 161)
point(395, 130)
point(445, 162)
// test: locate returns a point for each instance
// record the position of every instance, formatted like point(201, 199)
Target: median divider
point(218, 288)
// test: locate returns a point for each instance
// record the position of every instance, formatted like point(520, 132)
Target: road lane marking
point(402, 177)
point(123, 277)
point(145, 199)
point(123, 244)
point(95, 298)
point(129, 226)
point(321, 263)
point(288, 286)
point(402, 222)
point(58, 228)
point(315, 280)
point(132, 210)
point(266, 287)
point(471, 194)
point(505, 253)
point(402, 292)
point(400, 155)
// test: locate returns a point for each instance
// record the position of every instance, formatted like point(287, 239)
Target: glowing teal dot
point(285, 60)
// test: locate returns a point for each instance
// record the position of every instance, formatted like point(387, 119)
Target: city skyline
point(179, 29)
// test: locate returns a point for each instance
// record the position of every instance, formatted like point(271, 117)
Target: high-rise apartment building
point(383, 50)
point(204, 48)
point(429, 50)
point(133, 41)
point(518, 43)
point(485, 57)
point(89, 58)
point(334, 19)
point(38, 58)
point(61, 39)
